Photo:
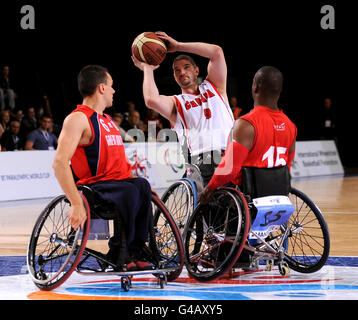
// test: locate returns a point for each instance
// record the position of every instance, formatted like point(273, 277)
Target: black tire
point(308, 242)
point(179, 200)
point(167, 239)
point(55, 248)
point(215, 235)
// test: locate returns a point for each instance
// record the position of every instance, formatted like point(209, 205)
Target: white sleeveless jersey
point(205, 119)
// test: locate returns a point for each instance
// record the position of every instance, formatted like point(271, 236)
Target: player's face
point(185, 74)
point(108, 91)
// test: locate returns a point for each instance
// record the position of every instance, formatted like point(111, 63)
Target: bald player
point(263, 138)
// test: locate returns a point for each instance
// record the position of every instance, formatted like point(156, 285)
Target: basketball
point(149, 48)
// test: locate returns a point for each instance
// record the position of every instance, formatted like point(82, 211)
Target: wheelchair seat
point(262, 182)
point(99, 207)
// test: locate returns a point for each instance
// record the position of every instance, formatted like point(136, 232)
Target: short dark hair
point(89, 78)
point(269, 80)
point(184, 57)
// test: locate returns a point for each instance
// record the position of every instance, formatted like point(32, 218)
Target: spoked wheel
point(55, 248)
point(167, 240)
point(215, 235)
point(179, 200)
point(307, 241)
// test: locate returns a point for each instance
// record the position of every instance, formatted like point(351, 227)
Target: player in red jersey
point(92, 142)
point(265, 137)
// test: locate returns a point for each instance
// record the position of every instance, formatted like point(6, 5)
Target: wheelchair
point(55, 249)
point(268, 220)
point(181, 198)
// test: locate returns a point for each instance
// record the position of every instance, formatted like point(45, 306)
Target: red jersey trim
point(180, 110)
point(222, 98)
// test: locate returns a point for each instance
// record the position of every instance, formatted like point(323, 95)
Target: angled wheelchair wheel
point(215, 235)
point(179, 199)
point(166, 240)
point(55, 248)
point(307, 243)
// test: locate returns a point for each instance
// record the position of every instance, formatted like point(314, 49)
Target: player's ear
point(255, 87)
point(197, 71)
point(101, 88)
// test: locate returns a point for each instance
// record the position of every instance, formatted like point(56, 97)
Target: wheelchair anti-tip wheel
point(55, 248)
point(215, 234)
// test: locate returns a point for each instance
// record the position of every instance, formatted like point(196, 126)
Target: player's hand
point(141, 65)
point(172, 44)
point(155, 192)
point(77, 216)
point(205, 195)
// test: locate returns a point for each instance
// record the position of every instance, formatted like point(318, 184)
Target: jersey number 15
point(269, 155)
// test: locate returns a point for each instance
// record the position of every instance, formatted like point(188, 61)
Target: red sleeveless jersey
point(104, 157)
point(274, 136)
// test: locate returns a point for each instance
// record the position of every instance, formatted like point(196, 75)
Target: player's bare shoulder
point(77, 123)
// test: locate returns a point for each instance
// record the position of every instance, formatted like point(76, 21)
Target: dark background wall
point(316, 63)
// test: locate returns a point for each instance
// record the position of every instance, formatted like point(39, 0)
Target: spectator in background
point(236, 110)
point(130, 108)
point(134, 126)
point(44, 108)
point(328, 123)
point(4, 121)
point(7, 94)
point(18, 115)
point(29, 122)
point(54, 128)
point(133, 121)
point(11, 140)
point(41, 139)
point(152, 116)
point(118, 118)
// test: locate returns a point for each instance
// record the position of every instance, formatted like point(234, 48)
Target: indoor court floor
point(336, 196)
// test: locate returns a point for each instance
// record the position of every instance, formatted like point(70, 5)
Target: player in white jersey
point(201, 113)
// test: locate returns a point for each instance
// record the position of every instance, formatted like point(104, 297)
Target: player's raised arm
point(165, 105)
point(217, 69)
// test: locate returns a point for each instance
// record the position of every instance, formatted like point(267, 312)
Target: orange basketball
point(149, 48)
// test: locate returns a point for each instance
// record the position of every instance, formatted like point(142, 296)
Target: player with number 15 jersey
point(263, 138)
point(274, 135)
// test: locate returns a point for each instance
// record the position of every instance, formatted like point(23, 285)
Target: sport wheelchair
point(181, 198)
point(269, 220)
point(55, 249)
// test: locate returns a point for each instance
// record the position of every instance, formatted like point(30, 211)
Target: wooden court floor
point(336, 196)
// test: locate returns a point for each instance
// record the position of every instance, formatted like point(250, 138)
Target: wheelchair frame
point(273, 248)
point(66, 248)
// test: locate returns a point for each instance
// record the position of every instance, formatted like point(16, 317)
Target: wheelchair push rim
point(167, 240)
point(308, 242)
point(211, 244)
point(55, 248)
point(179, 198)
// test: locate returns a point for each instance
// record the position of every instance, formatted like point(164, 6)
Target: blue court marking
point(232, 292)
point(300, 295)
point(16, 265)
